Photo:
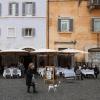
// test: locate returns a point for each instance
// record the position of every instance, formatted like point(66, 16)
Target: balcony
point(93, 4)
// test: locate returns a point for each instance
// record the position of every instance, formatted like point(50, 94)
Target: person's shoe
point(35, 92)
point(28, 92)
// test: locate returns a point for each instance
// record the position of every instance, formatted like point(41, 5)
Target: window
point(96, 1)
point(28, 32)
point(65, 25)
point(28, 9)
point(11, 32)
point(13, 9)
point(95, 24)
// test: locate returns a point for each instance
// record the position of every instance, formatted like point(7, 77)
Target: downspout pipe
point(48, 24)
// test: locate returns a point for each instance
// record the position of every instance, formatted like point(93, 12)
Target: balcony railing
point(93, 4)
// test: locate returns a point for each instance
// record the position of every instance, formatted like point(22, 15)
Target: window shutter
point(0, 31)
point(10, 8)
point(94, 1)
point(0, 9)
point(23, 9)
point(17, 9)
point(71, 25)
point(33, 8)
point(33, 31)
point(59, 25)
point(23, 31)
point(92, 25)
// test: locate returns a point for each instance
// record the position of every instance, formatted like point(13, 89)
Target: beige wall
point(82, 20)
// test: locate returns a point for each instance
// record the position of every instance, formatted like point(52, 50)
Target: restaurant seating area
point(65, 66)
point(70, 73)
point(12, 73)
point(87, 72)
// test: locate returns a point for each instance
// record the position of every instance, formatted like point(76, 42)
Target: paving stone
point(15, 89)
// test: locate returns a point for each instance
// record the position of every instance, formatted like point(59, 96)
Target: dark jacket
point(96, 70)
point(29, 75)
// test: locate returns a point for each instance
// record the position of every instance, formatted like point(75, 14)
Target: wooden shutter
point(92, 25)
point(23, 9)
point(33, 8)
point(94, 1)
point(23, 31)
point(0, 9)
point(17, 9)
point(33, 31)
point(10, 9)
point(0, 31)
point(59, 25)
point(99, 2)
point(71, 25)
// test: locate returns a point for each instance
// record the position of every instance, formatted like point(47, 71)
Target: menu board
point(49, 74)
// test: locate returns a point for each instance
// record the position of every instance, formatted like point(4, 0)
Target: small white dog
point(53, 86)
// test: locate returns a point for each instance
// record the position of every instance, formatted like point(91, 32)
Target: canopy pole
point(37, 61)
point(55, 61)
point(72, 60)
point(98, 40)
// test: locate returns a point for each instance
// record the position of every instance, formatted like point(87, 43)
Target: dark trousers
point(82, 76)
point(96, 75)
point(33, 86)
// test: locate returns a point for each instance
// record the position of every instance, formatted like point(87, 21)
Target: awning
point(14, 51)
point(94, 50)
point(44, 51)
point(69, 50)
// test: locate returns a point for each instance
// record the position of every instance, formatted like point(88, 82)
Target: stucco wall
point(18, 22)
point(82, 25)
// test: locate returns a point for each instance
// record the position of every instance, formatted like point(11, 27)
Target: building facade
point(75, 24)
point(22, 24)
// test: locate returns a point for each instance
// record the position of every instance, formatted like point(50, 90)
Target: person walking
point(30, 78)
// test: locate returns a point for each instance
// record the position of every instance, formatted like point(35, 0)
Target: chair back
point(78, 72)
point(7, 70)
point(15, 71)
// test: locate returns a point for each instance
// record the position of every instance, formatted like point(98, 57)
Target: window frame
point(8, 32)
point(63, 22)
point(32, 32)
point(10, 10)
point(93, 24)
point(70, 25)
point(33, 13)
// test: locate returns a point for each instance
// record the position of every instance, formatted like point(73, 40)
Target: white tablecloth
point(59, 70)
point(11, 72)
point(87, 72)
point(66, 72)
point(69, 73)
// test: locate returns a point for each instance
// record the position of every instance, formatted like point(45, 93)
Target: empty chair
point(8, 73)
point(78, 74)
point(15, 73)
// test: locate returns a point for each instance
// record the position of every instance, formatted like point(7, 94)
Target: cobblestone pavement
point(15, 89)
